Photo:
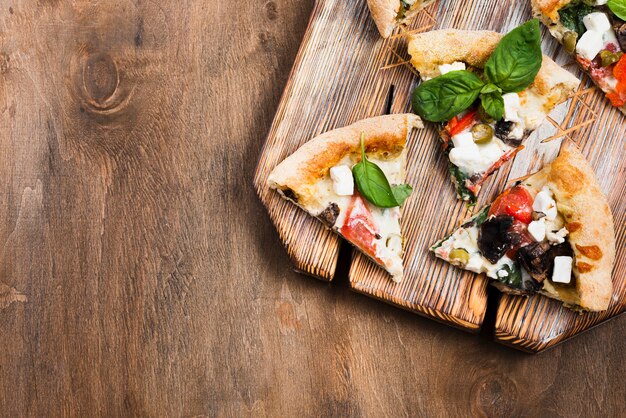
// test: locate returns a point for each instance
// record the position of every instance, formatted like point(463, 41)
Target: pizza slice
point(551, 234)
point(595, 33)
point(388, 14)
point(352, 179)
point(488, 92)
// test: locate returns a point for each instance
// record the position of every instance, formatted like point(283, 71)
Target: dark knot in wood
point(100, 80)
point(495, 395)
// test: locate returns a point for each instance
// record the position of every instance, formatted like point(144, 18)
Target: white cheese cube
point(537, 229)
point(601, 2)
point(597, 21)
point(455, 66)
point(468, 159)
point(545, 204)
point(511, 107)
point(562, 269)
point(464, 139)
point(589, 45)
point(343, 183)
point(609, 37)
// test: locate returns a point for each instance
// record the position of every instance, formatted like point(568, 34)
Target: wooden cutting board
point(345, 72)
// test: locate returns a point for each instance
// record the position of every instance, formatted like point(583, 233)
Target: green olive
point(459, 254)
point(482, 133)
point(609, 57)
point(569, 41)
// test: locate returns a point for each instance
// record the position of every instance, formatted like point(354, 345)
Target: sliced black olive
point(503, 129)
point(494, 240)
point(330, 214)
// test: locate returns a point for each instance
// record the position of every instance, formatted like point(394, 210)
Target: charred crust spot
point(590, 251)
point(584, 267)
point(290, 194)
point(573, 226)
point(330, 214)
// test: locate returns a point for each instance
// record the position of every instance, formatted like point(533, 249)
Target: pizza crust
point(590, 225)
point(429, 50)
point(297, 174)
point(385, 14)
point(589, 222)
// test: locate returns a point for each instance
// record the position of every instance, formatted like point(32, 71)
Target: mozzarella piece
point(538, 229)
point(597, 21)
point(562, 272)
point(557, 237)
point(589, 45)
point(475, 263)
point(511, 107)
point(545, 204)
point(464, 139)
point(455, 66)
point(343, 183)
point(609, 37)
point(601, 2)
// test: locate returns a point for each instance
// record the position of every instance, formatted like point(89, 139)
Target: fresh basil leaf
point(490, 88)
point(441, 98)
point(571, 16)
point(516, 60)
point(493, 103)
point(372, 182)
point(401, 192)
point(618, 7)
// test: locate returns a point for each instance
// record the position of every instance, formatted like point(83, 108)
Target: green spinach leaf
point(460, 177)
point(493, 103)
point(517, 59)
point(373, 184)
point(441, 98)
point(618, 7)
point(571, 16)
point(513, 277)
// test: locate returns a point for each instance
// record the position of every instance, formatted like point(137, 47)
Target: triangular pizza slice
point(388, 14)
point(551, 234)
point(594, 32)
point(473, 86)
point(352, 179)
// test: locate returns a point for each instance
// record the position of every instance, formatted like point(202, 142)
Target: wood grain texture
point(430, 287)
point(141, 276)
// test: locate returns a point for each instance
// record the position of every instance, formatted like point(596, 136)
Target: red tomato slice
point(359, 226)
point(516, 202)
point(521, 229)
point(619, 71)
point(456, 126)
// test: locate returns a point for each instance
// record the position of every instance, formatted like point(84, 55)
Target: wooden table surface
point(140, 275)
